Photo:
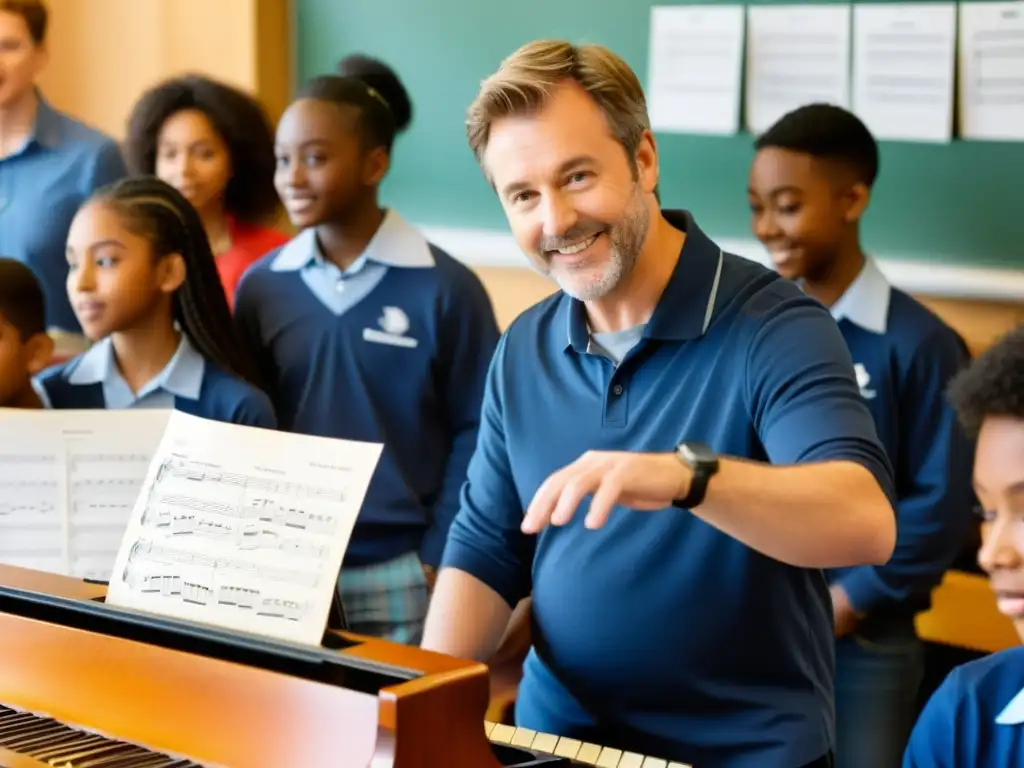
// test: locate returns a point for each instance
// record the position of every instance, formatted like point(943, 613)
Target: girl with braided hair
point(144, 285)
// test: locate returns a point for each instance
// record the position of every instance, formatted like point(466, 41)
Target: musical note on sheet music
point(31, 489)
point(68, 483)
point(243, 528)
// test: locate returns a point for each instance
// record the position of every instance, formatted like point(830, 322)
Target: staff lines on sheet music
point(195, 592)
point(180, 469)
point(245, 537)
point(264, 510)
point(145, 551)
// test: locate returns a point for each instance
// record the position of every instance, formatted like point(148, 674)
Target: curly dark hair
point(992, 385)
point(22, 302)
point(237, 117)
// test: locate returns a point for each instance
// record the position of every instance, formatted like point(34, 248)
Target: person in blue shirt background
point(49, 164)
point(809, 187)
point(25, 347)
point(366, 331)
point(975, 719)
point(671, 449)
point(143, 282)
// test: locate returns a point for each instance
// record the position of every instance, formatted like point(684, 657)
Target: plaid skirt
point(387, 600)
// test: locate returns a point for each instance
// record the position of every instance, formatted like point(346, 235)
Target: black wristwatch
point(703, 462)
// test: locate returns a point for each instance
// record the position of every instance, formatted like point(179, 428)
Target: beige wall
point(104, 53)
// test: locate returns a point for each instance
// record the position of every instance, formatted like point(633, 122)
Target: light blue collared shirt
point(42, 185)
point(181, 377)
point(866, 301)
point(395, 244)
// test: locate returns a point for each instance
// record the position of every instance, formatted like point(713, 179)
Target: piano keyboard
point(579, 752)
point(47, 742)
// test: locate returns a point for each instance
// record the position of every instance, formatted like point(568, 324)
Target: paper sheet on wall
point(903, 65)
point(796, 55)
point(243, 528)
point(695, 68)
point(992, 71)
point(68, 482)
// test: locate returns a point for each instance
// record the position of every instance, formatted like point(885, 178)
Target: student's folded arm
point(469, 334)
point(934, 742)
point(256, 410)
point(485, 570)
point(107, 166)
point(827, 501)
point(934, 512)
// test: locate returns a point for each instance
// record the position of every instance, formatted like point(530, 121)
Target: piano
point(87, 685)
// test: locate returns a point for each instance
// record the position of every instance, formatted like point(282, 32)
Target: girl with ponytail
point(144, 285)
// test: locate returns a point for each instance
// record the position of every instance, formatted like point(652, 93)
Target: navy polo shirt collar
point(686, 307)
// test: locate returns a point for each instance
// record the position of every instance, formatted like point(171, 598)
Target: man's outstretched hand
point(644, 481)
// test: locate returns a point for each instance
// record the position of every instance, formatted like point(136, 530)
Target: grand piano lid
point(326, 664)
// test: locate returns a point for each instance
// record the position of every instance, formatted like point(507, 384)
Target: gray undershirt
point(615, 345)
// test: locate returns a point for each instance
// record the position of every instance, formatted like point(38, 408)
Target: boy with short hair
point(810, 185)
point(25, 347)
point(976, 717)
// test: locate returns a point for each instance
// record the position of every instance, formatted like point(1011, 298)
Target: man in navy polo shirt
point(49, 164)
point(624, 472)
point(976, 717)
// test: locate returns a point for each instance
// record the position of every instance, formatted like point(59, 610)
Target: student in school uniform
point(976, 717)
point(49, 164)
point(809, 187)
point(25, 347)
point(215, 145)
point(367, 331)
point(143, 283)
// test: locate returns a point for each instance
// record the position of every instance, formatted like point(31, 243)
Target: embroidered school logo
point(395, 324)
point(863, 381)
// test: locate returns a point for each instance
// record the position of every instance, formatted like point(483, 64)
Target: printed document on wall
point(903, 65)
point(796, 55)
point(695, 68)
point(992, 71)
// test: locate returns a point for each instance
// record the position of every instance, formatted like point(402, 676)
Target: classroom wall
point(104, 53)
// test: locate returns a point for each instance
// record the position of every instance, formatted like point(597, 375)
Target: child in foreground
point(976, 717)
point(144, 286)
point(25, 347)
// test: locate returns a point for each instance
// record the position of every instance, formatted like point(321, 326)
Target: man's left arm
point(934, 485)
point(107, 167)
point(469, 335)
point(825, 498)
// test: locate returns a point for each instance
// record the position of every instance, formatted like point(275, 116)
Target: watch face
point(696, 453)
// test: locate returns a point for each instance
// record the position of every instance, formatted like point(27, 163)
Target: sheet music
point(68, 482)
point(109, 453)
point(796, 55)
point(695, 68)
point(33, 487)
point(243, 528)
point(992, 71)
point(904, 60)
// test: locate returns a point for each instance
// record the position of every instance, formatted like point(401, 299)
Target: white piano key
point(567, 747)
point(502, 734)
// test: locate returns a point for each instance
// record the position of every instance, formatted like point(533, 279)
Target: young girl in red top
point(215, 144)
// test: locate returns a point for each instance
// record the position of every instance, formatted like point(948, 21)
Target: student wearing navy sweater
point(367, 331)
point(976, 717)
point(143, 284)
point(810, 185)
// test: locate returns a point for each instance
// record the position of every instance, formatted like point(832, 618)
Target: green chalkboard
point(961, 202)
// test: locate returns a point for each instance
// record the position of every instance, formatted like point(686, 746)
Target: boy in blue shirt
point(369, 332)
point(25, 348)
point(810, 184)
point(976, 717)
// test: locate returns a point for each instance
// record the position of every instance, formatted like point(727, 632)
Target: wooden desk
point(964, 614)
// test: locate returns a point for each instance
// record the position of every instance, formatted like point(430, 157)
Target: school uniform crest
point(864, 381)
point(394, 325)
